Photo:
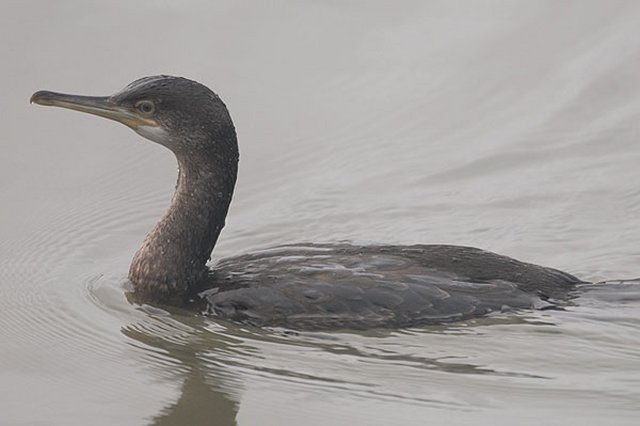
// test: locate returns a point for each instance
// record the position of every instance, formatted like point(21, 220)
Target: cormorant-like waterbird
point(300, 286)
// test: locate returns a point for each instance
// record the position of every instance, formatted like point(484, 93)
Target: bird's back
point(320, 286)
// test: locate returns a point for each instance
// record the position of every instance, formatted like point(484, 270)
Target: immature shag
point(302, 286)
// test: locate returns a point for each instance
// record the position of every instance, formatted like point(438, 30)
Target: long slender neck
point(174, 254)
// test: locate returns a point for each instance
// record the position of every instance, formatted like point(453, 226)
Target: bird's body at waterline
point(325, 286)
point(303, 286)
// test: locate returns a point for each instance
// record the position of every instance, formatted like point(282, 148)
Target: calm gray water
point(513, 126)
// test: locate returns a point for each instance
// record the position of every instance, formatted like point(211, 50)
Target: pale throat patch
point(154, 133)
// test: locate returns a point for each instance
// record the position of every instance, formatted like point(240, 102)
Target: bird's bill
point(96, 105)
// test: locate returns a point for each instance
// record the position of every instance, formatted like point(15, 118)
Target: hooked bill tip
point(41, 97)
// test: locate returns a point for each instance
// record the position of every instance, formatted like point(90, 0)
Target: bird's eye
point(146, 107)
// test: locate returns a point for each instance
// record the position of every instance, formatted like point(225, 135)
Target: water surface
point(510, 126)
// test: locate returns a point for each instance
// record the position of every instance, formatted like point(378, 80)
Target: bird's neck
point(173, 257)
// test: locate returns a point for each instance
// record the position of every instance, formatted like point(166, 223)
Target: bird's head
point(181, 114)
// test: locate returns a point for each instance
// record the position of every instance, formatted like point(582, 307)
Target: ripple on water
point(51, 320)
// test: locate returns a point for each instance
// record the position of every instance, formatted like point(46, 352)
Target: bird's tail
point(615, 291)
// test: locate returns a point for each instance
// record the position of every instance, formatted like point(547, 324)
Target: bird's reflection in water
point(215, 362)
point(202, 400)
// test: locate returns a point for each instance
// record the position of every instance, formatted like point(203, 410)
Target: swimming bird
point(298, 286)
